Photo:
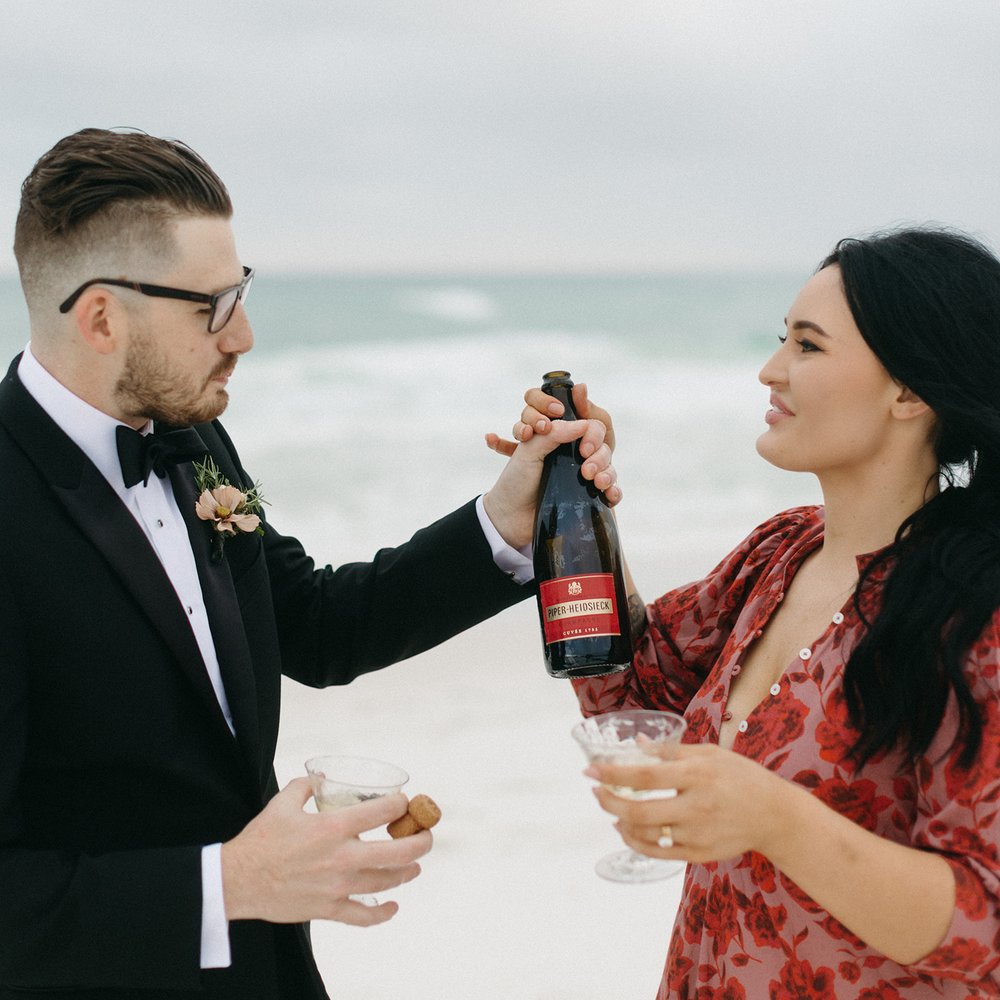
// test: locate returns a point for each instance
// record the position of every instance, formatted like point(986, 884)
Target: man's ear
point(100, 319)
point(907, 405)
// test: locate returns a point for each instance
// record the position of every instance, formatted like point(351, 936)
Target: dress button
point(743, 726)
point(805, 653)
point(727, 715)
point(737, 667)
point(780, 597)
point(838, 618)
point(775, 689)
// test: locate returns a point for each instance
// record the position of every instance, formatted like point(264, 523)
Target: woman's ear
point(907, 405)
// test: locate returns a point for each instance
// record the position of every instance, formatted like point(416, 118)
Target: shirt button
point(759, 632)
point(190, 610)
point(737, 667)
point(780, 597)
point(775, 689)
point(838, 618)
point(159, 523)
point(743, 726)
point(727, 715)
point(805, 653)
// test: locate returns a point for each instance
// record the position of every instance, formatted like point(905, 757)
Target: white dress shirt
point(516, 563)
point(156, 512)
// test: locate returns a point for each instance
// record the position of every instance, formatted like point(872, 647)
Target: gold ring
point(666, 836)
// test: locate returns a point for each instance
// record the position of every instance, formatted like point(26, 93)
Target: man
point(145, 851)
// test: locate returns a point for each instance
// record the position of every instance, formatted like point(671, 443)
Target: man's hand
point(510, 505)
point(290, 866)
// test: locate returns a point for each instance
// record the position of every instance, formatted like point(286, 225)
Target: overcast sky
point(516, 135)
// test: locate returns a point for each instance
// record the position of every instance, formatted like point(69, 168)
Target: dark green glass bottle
point(582, 603)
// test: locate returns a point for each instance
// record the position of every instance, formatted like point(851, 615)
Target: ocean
point(362, 411)
point(363, 406)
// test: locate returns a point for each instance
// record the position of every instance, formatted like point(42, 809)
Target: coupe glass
point(341, 782)
point(621, 738)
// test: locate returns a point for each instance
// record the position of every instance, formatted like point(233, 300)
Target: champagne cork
point(421, 814)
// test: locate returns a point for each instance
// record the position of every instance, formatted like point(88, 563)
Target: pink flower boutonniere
point(229, 510)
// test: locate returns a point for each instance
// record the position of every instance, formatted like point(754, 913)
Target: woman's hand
point(596, 443)
point(897, 898)
point(725, 804)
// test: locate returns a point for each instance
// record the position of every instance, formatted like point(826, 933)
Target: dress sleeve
point(959, 819)
point(687, 628)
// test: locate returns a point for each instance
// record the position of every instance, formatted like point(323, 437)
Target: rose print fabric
point(743, 929)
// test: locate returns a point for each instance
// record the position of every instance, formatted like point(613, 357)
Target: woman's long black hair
point(927, 302)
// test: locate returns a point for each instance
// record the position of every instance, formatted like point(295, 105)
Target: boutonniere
point(229, 510)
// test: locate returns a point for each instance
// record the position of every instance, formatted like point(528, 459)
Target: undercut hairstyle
point(106, 194)
point(927, 302)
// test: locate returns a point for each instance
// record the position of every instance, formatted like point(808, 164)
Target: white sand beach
point(508, 904)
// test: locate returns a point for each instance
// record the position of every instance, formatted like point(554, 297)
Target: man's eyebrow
point(804, 324)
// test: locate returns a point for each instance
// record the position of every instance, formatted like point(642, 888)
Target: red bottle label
point(577, 607)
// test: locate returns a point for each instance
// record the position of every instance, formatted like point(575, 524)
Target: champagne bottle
point(582, 601)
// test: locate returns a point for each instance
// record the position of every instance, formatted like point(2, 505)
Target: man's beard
point(149, 388)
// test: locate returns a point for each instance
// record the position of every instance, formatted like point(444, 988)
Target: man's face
point(174, 370)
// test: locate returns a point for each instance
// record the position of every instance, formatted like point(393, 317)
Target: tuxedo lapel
point(99, 514)
point(228, 633)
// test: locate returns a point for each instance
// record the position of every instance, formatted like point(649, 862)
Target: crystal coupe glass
point(341, 782)
point(622, 738)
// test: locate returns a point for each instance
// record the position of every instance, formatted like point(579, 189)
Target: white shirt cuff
point(516, 563)
point(215, 952)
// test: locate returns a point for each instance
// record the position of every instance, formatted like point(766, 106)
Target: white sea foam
point(453, 303)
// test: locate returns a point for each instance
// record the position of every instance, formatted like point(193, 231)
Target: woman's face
point(830, 396)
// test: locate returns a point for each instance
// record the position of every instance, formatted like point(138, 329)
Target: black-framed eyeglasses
point(222, 304)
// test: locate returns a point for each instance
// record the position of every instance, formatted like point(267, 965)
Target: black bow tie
point(140, 455)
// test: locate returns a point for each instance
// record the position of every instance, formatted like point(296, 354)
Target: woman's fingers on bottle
point(585, 408)
point(593, 447)
point(541, 404)
point(599, 469)
point(606, 478)
point(541, 409)
point(524, 431)
point(533, 422)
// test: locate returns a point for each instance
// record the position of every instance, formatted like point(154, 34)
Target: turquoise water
point(707, 315)
point(363, 406)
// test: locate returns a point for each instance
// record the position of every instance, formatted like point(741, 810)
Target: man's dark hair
point(99, 185)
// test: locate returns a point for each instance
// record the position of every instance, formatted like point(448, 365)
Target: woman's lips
point(778, 411)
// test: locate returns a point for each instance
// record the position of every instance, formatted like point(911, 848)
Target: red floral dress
point(743, 928)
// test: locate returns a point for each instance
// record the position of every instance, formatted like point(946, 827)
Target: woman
point(839, 785)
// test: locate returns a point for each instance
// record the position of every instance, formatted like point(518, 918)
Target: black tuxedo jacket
point(116, 764)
